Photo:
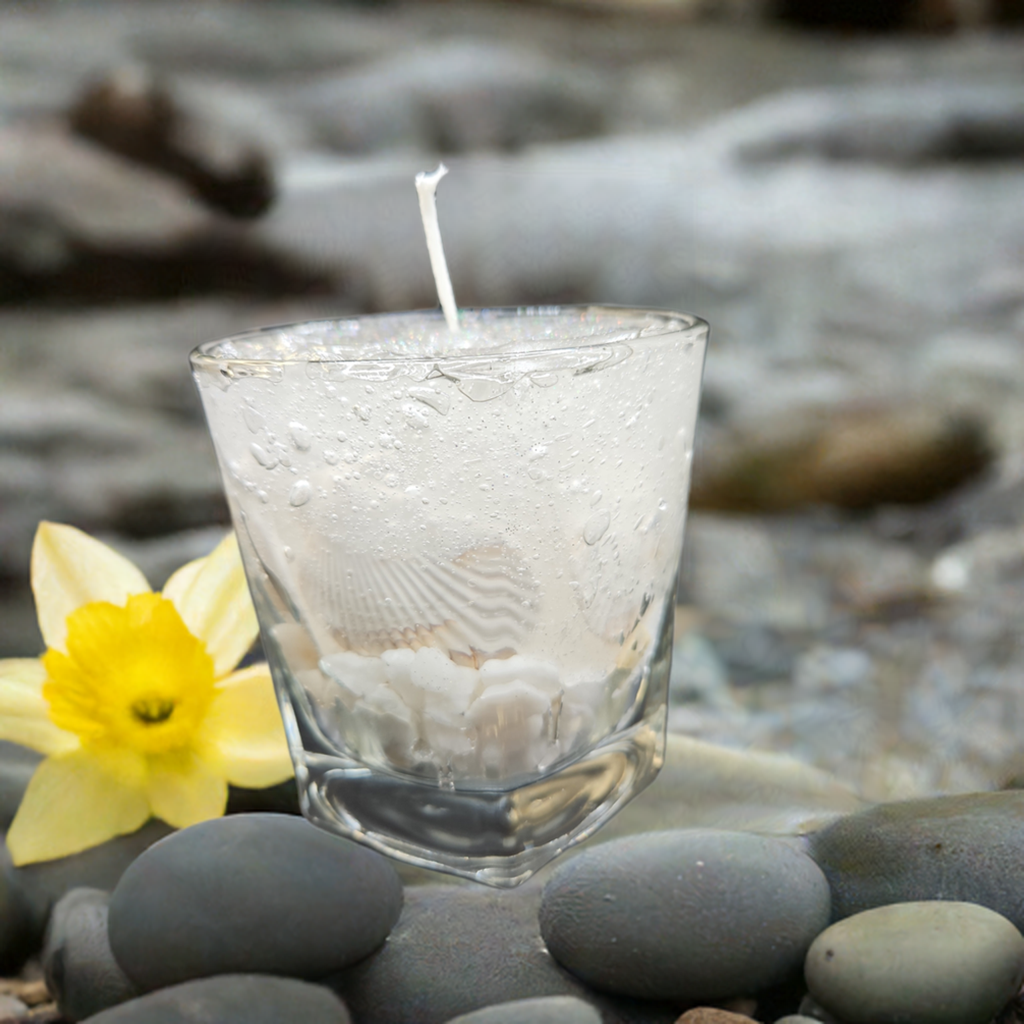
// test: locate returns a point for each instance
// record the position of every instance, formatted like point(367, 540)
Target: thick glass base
point(497, 837)
point(498, 832)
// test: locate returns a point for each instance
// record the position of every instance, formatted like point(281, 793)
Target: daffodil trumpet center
point(133, 676)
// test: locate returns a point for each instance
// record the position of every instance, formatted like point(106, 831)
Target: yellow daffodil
point(135, 701)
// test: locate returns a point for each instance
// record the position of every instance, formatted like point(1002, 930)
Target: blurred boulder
point(131, 112)
point(455, 97)
point(853, 458)
point(82, 225)
point(908, 123)
point(72, 457)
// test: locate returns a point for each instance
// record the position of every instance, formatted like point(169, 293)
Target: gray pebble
point(968, 847)
point(19, 937)
point(810, 1009)
point(12, 1009)
point(930, 963)
point(458, 949)
point(692, 915)
point(543, 1010)
point(80, 969)
point(254, 892)
point(100, 867)
point(232, 999)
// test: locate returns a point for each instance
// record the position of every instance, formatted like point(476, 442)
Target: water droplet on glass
point(299, 435)
point(300, 493)
point(538, 451)
point(662, 505)
point(331, 457)
point(596, 499)
point(268, 460)
point(363, 412)
point(253, 418)
point(596, 526)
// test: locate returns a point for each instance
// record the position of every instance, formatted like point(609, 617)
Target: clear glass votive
point(462, 548)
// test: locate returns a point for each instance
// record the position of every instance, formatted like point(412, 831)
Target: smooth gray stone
point(812, 1011)
point(796, 1018)
point(100, 868)
point(232, 999)
point(459, 949)
point(18, 938)
point(543, 1010)
point(253, 892)
point(968, 847)
point(931, 963)
point(12, 1009)
point(80, 969)
point(690, 915)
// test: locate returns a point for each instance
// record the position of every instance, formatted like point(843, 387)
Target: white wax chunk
point(510, 719)
point(447, 689)
point(386, 721)
point(448, 741)
point(397, 670)
point(541, 674)
point(575, 724)
point(511, 716)
point(589, 692)
point(358, 674)
point(506, 705)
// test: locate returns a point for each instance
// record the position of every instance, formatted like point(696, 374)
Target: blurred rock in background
point(837, 187)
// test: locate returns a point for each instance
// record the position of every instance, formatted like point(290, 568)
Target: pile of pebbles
point(902, 912)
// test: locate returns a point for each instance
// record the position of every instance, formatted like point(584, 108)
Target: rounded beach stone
point(712, 1015)
point(254, 892)
point(232, 999)
point(968, 847)
point(690, 915)
point(542, 1010)
point(13, 1009)
point(99, 867)
point(930, 963)
point(80, 969)
point(458, 949)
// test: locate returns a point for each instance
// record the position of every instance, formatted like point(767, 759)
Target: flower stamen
point(153, 711)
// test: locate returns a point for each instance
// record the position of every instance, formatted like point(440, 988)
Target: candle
point(461, 534)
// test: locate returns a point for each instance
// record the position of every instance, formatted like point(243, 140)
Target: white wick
point(426, 188)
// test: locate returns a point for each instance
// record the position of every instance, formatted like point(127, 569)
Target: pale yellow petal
point(24, 711)
point(183, 790)
point(78, 800)
point(242, 734)
point(214, 603)
point(69, 569)
point(183, 578)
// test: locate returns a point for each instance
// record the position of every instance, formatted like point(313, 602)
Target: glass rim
point(647, 325)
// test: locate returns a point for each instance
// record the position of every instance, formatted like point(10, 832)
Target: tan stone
point(712, 1015)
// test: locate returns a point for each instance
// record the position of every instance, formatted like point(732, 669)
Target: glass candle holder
point(462, 548)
